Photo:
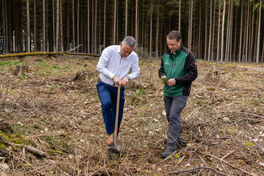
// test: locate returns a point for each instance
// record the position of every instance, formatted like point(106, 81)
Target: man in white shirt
point(114, 66)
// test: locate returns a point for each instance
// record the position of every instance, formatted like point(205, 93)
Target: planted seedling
point(165, 80)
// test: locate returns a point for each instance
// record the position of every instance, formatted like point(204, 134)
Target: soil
point(54, 107)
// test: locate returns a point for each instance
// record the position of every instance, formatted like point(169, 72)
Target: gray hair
point(130, 41)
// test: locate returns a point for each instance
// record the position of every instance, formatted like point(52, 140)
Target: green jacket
point(181, 67)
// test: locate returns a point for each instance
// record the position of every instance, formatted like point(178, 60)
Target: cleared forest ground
point(54, 107)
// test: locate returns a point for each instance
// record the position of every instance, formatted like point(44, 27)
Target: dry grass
point(55, 108)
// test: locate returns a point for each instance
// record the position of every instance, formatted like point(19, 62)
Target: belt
point(114, 85)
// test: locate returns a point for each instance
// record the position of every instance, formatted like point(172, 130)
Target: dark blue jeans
point(174, 107)
point(108, 97)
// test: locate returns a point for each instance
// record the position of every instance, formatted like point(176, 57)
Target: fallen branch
point(198, 168)
point(229, 164)
point(34, 151)
point(227, 155)
point(259, 147)
point(28, 148)
point(75, 48)
point(44, 53)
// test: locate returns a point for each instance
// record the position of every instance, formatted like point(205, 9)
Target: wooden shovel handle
point(117, 114)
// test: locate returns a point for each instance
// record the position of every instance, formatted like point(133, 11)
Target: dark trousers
point(108, 97)
point(174, 107)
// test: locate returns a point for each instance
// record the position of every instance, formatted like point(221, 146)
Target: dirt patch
point(55, 108)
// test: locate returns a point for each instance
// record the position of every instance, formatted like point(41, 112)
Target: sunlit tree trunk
point(223, 28)
point(210, 30)
point(44, 25)
point(35, 26)
point(57, 24)
point(190, 25)
point(259, 28)
point(205, 32)
point(150, 29)
point(241, 34)
point(28, 28)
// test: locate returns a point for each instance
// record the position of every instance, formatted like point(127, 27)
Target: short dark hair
point(174, 35)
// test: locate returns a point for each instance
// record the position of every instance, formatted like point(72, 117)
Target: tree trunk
point(28, 28)
point(68, 27)
point(150, 29)
point(61, 28)
point(44, 25)
point(235, 35)
point(88, 26)
point(259, 28)
point(246, 40)
point(213, 33)
point(179, 25)
point(199, 35)
point(78, 25)
point(251, 39)
point(73, 25)
point(190, 25)
point(114, 27)
point(117, 32)
point(104, 21)
point(95, 27)
point(218, 32)
point(57, 25)
point(241, 33)
point(231, 31)
point(210, 31)
point(126, 17)
point(223, 28)
point(136, 22)
point(4, 16)
point(157, 35)
point(35, 26)
point(205, 34)
point(53, 25)
point(228, 32)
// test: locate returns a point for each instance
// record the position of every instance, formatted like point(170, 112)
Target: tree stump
point(21, 70)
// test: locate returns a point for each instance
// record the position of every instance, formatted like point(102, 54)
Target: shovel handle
point(117, 114)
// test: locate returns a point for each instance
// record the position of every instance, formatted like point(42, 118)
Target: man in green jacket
point(178, 70)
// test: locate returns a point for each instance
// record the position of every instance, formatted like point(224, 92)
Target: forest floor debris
point(55, 109)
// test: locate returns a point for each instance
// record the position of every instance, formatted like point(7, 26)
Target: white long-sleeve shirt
point(111, 63)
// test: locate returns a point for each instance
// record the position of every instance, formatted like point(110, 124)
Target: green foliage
point(2, 146)
point(9, 63)
point(53, 87)
point(165, 80)
point(176, 156)
point(141, 91)
point(37, 126)
point(12, 138)
point(22, 77)
point(256, 102)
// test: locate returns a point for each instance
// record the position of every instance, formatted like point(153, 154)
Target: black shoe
point(167, 153)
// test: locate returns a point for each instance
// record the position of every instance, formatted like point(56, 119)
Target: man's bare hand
point(117, 80)
point(163, 77)
point(124, 81)
point(171, 82)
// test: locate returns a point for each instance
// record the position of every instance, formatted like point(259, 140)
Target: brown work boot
point(110, 139)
